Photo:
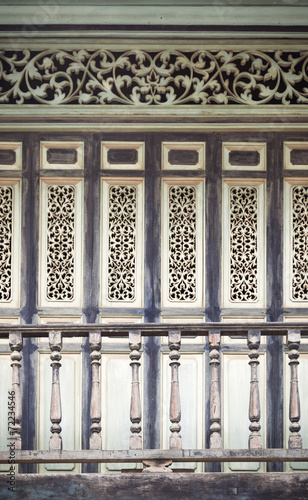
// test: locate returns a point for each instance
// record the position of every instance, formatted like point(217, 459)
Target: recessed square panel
point(244, 156)
point(295, 155)
point(10, 155)
point(60, 155)
point(183, 155)
point(123, 155)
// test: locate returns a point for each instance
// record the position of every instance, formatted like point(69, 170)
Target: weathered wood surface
point(295, 440)
point(95, 341)
point(55, 343)
point(215, 412)
point(113, 456)
point(175, 439)
point(243, 486)
point(135, 440)
point(152, 329)
point(255, 439)
point(15, 410)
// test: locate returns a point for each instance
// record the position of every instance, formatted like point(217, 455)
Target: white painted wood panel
point(191, 379)
point(235, 394)
point(70, 382)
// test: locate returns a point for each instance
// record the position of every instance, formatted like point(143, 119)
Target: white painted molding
point(107, 145)
point(77, 146)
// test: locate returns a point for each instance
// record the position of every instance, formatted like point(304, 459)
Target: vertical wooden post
point(255, 439)
point(174, 341)
point(135, 440)
point(16, 342)
point(55, 343)
point(95, 341)
point(215, 413)
point(295, 440)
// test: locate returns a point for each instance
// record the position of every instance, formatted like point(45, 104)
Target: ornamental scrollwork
point(243, 244)
point(300, 243)
point(6, 231)
point(182, 243)
point(122, 243)
point(60, 242)
point(164, 78)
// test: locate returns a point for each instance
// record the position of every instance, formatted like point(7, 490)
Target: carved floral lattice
point(300, 243)
point(166, 77)
point(182, 243)
point(60, 242)
point(6, 228)
point(243, 244)
point(122, 243)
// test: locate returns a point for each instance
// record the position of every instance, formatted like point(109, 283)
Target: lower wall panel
point(243, 486)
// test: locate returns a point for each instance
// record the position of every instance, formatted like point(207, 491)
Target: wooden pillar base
point(255, 442)
point(295, 442)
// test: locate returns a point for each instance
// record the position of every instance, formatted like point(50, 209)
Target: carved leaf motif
point(167, 77)
point(6, 229)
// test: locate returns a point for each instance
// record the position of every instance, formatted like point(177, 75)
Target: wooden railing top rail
point(151, 329)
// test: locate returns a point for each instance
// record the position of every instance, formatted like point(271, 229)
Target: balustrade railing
point(155, 459)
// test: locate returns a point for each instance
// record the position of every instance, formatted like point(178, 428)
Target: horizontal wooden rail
point(151, 329)
point(127, 456)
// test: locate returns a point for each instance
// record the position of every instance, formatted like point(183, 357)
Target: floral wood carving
point(182, 243)
point(167, 77)
point(60, 242)
point(300, 243)
point(243, 244)
point(6, 230)
point(122, 243)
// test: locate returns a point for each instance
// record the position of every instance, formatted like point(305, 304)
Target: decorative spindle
point(135, 441)
point(215, 415)
point(95, 341)
point(295, 440)
point(15, 410)
point(174, 341)
point(55, 343)
point(255, 439)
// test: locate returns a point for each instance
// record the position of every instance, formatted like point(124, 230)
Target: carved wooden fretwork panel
point(6, 230)
point(60, 242)
point(122, 247)
point(162, 77)
point(9, 242)
point(182, 243)
point(61, 247)
point(122, 243)
point(243, 243)
point(300, 243)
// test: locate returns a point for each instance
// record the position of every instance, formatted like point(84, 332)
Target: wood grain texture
point(244, 486)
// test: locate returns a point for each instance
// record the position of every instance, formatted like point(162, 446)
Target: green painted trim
point(147, 15)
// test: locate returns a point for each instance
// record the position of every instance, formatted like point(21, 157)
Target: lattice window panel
point(9, 242)
point(243, 244)
point(122, 242)
point(296, 243)
point(182, 244)
point(61, 242)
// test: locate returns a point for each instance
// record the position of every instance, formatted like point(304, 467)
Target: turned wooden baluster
point(295, 440)
point(95, 341)
point(55, 343)
point(174, 341)
point(15, 341)
point(255, 439)
point(135, 441)
point(215, 414)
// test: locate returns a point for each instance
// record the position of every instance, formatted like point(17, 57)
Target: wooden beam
point(127, 456)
